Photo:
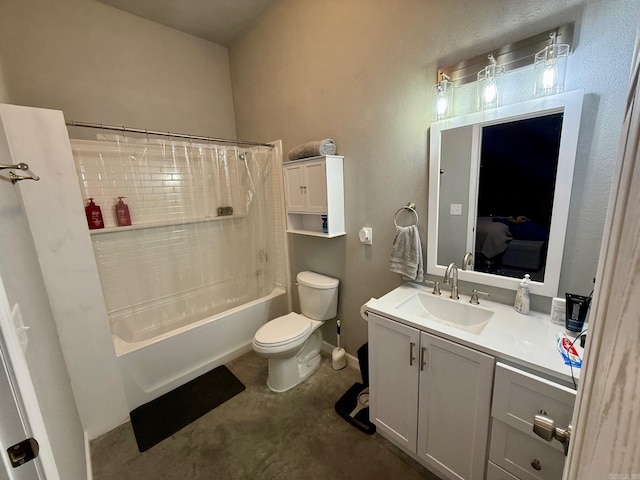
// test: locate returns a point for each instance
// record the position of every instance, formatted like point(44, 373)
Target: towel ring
point(411, 207)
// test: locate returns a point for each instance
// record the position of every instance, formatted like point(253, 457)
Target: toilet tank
point(318, 295)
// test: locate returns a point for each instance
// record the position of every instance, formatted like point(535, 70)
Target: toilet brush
point(338, 356)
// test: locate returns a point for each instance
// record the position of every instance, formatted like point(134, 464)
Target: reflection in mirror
point(500, 184)
point(518, 164)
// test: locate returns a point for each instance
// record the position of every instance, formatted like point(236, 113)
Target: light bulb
point(549, 77)
point(490, 93)
point(442, 106)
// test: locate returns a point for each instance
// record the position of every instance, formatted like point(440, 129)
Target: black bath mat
point(164, 416)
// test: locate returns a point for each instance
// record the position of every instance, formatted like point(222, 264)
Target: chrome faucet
point(452, 272)
point(467, 261)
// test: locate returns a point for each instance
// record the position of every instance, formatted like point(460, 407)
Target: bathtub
point(155, 366)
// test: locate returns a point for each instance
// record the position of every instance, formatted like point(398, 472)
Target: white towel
point(313, 149)
point(406, 254)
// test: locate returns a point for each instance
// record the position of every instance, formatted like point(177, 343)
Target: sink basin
point(455, 313)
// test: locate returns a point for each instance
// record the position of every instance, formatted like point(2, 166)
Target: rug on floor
point(164, 416)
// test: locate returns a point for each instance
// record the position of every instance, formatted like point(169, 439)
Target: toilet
point(292, 342)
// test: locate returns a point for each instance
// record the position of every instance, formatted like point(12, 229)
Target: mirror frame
point(571, 104)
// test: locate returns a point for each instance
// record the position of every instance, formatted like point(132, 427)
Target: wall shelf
point(314, 188)
point(166, 223)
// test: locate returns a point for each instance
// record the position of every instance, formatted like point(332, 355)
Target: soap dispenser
point(94, 215)
point(521, 304)
point(122, 213)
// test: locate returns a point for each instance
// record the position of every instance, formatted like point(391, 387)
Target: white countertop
point(525, 340)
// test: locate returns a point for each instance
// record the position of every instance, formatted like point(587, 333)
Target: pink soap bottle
point(122, 213)
point(94, 215)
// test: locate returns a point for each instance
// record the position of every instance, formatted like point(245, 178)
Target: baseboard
point(351, 360)
point(87, 454)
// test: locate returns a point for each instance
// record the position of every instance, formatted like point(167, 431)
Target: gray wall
point(361, 72)
point(99, 64)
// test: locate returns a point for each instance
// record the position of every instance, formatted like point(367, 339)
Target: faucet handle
point(474, 297)
point(436, 287)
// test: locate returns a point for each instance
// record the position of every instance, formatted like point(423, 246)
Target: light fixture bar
point(512, 56)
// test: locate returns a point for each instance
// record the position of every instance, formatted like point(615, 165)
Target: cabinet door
point(294, 187)
point(455, 402)
point(393, 380)
point(316, 187)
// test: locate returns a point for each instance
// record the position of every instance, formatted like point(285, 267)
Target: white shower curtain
point(203, 233)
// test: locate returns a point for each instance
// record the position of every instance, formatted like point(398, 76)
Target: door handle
point(411, 357)
point(423, 359)
point(545, 427)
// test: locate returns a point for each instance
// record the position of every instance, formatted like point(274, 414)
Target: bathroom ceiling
point(219, 21)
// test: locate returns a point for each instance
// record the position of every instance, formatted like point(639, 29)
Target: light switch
point(456, 209)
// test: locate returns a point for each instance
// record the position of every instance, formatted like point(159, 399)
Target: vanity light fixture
point(550, 67)
point(442, 98)
point(488, 84)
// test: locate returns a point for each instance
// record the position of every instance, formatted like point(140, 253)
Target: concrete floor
point(262, 435)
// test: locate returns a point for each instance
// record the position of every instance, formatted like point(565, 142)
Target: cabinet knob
point(535, 463)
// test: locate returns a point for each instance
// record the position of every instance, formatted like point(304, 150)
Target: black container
point(577, 307)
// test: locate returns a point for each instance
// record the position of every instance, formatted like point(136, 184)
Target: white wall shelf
point(166, 223)
point(314, 187)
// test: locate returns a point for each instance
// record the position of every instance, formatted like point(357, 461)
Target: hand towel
point(313, 149)
point(406, 254)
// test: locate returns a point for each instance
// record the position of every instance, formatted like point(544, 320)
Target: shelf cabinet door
point(393, 380)
point(455, 405)
point(294, 188)
point(315, 187)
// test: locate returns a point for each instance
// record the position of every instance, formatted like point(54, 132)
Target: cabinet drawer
point(496, 473)
point(518, 396)
point(517, 453)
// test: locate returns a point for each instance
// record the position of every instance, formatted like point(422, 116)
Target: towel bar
point(409, 206)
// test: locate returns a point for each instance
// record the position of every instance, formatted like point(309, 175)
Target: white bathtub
point(156, 366)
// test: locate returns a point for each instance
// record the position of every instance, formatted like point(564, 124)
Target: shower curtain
point(203, 236)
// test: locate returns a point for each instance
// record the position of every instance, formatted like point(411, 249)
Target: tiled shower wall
point(178, 245)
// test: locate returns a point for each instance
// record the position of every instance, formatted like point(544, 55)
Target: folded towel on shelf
point(406, 254)
point(313, 149)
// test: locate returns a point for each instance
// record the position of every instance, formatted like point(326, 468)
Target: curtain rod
point(116, 128)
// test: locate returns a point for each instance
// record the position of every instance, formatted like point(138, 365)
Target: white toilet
point(292, 342)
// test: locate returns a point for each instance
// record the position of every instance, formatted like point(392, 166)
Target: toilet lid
point(285, 329)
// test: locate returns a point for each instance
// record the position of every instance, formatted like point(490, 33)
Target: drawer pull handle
point(423, 358)
point(535, 463)
point(411, 357)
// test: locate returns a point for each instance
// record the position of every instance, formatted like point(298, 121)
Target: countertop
point(528, 341)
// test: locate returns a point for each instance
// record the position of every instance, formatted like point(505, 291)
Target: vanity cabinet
point(431, 397)
point(313, 188)
point(518, 396)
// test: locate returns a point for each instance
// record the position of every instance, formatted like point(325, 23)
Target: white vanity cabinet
point(518, 396)
point(431, 397)
point(314, 187)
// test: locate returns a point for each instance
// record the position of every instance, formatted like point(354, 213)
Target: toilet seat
point(283, 330)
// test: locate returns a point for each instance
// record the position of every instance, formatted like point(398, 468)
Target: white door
point(315, 187)
point(294, 188)
point(393, 379)
point(14, 427)
point(455, 402)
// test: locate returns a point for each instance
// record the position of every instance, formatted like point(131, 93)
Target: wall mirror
point(499, 187)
